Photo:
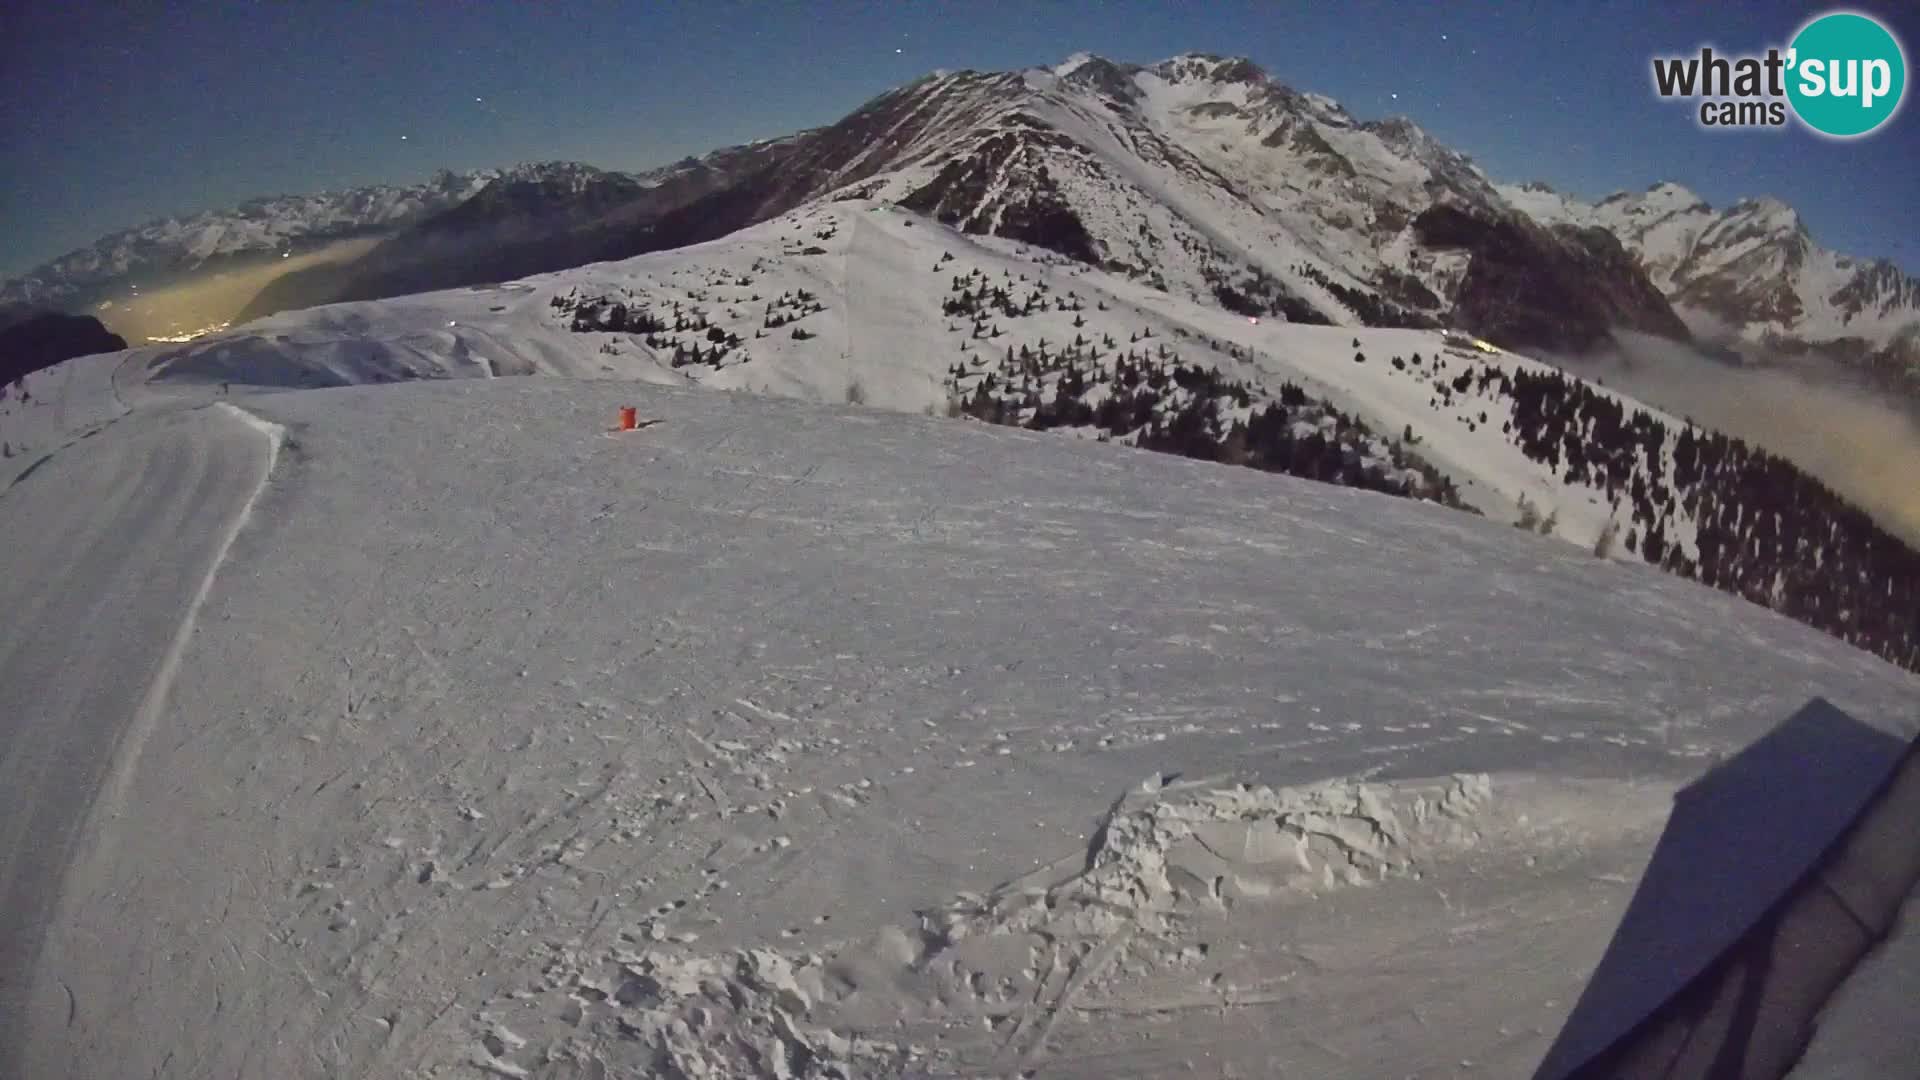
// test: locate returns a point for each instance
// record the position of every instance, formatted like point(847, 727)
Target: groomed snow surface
point(778, 739)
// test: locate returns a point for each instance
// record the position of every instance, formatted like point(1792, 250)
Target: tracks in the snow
point(107, 556)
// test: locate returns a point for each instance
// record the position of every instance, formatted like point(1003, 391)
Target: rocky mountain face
point(1526, 284)
point(1203, 176)
point(1755, 273)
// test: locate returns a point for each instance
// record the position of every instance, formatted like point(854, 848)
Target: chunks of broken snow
point(1004, 965)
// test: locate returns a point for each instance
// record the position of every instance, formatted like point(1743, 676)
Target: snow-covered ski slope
point(111, 539)
point(773, 739)
point(879, 278)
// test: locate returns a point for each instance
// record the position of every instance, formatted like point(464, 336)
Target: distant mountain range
point(163, 250)
point(1756, 274)
point(1200, 175)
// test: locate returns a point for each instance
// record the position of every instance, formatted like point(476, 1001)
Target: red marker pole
point(629, 417)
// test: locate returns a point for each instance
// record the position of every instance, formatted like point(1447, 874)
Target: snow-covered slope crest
point(853, 299)
point(1754, 268)
point(851, 295)
point(773, 737)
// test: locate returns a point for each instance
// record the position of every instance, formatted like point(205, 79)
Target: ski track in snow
point(114, 546)
point(127, 755)
point(774, 738)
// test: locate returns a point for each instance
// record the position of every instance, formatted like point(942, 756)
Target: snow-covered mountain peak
point(1663, 197)
point(1659, 202)
point(1769, 215)
point(1207, 67)
point(1409, 139)
point(1673, 196)
point(554, 171)
point(1325, 110)
point(559, 179)
point(1196, 172)
point(1211, 85)
point(1072, 63)
point(1101, 75)
point(1199, 173)
point(1756, 268)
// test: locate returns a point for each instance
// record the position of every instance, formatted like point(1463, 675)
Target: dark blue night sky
point(116, 113)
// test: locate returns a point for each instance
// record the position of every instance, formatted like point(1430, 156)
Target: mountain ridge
point(263, 225)
point(1754, 272)
point(1203, 174)
point(1200, 174)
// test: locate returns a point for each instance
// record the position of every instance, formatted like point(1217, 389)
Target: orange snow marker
point(629, 418)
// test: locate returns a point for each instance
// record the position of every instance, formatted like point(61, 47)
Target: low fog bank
point(211, 300)
point(1862, 444)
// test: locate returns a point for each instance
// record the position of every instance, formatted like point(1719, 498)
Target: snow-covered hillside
point(775, 740)
point(853, 298)
point(852, 295)
point(1753, 268)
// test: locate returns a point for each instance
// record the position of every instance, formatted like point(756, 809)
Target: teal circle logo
point(1846, 74)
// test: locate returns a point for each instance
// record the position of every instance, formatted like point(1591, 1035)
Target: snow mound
point(1220, 846)
point(1009, 963)
point(739, 1014)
